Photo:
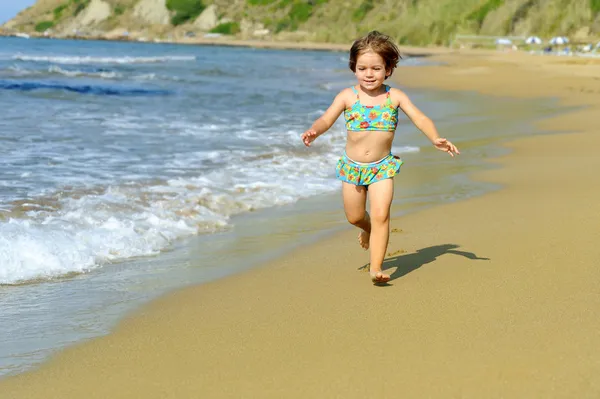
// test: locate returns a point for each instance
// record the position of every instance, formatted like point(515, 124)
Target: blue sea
point(131, 169)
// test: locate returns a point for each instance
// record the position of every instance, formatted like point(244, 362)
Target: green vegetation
point(227, 28)
point(261, 2)
point(59, 10)
point(520, 14)
point(119, 9)
point(185, 10)
point(80, 5)
point(364, 8)
point(76, 5)
point(300, 12)
point(43, 26)
point(479, 15)
point(595, 6)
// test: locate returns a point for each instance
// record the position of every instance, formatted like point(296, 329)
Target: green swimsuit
point(369, 118)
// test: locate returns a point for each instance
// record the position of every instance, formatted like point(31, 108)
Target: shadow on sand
point(406, 263)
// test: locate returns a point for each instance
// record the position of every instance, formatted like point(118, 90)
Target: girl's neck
point(375, 92)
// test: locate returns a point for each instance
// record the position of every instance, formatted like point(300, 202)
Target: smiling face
point(370, 70)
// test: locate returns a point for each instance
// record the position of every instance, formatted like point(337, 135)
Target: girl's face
point(370, 70)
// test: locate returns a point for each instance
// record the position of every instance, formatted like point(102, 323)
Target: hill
point(413, 22)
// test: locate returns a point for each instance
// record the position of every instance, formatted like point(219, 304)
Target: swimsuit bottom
point(364, 174)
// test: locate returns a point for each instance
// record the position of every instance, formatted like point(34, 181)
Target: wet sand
point(492, 297)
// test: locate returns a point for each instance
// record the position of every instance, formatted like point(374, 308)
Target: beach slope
point(493, 297)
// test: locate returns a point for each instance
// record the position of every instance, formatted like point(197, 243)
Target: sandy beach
point(493, 297)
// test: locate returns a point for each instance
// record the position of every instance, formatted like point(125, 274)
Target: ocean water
point(130, 169)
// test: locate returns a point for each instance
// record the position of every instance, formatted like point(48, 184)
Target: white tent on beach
point(559, 40)
point(533, 40)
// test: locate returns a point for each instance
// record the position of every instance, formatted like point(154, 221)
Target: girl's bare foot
point(377, 277)
point(363, 239)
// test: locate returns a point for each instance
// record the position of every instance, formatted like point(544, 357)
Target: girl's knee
point(380, 215)
point(355, 218)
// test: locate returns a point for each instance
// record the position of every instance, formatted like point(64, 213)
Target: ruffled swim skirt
point(364, 174)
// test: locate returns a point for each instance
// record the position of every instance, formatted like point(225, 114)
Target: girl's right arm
point(327, 120)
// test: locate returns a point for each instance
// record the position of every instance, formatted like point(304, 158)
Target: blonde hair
point(378, 43)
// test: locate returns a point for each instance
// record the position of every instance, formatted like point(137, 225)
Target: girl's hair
point(378, 43)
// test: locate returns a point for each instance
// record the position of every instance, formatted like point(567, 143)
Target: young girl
point(371, 112)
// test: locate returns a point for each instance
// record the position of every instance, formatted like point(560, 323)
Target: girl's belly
point(368, 146)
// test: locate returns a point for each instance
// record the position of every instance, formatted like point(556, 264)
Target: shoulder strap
point(356, 92)
point(388, 95)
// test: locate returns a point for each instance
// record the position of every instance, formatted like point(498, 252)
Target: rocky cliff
point(417, 22)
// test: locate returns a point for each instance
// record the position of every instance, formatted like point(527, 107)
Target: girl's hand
point(309, 136)
point(446, 146)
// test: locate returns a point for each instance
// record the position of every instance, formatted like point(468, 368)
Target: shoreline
point(225, 41)
point(411, 51)
point(478, 323)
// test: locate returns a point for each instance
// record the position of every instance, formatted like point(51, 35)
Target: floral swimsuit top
point(372, 117)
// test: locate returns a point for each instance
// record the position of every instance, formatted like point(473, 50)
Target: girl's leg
point(381, 194)
point(355, 199)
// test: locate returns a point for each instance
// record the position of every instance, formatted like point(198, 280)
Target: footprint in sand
point(398, 252)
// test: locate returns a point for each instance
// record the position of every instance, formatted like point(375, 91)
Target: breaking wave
point(82, 89)
point(103, 60)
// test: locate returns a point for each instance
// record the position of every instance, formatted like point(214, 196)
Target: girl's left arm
point(423, 123)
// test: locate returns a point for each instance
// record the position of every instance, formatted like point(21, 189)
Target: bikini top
point(362, 118)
